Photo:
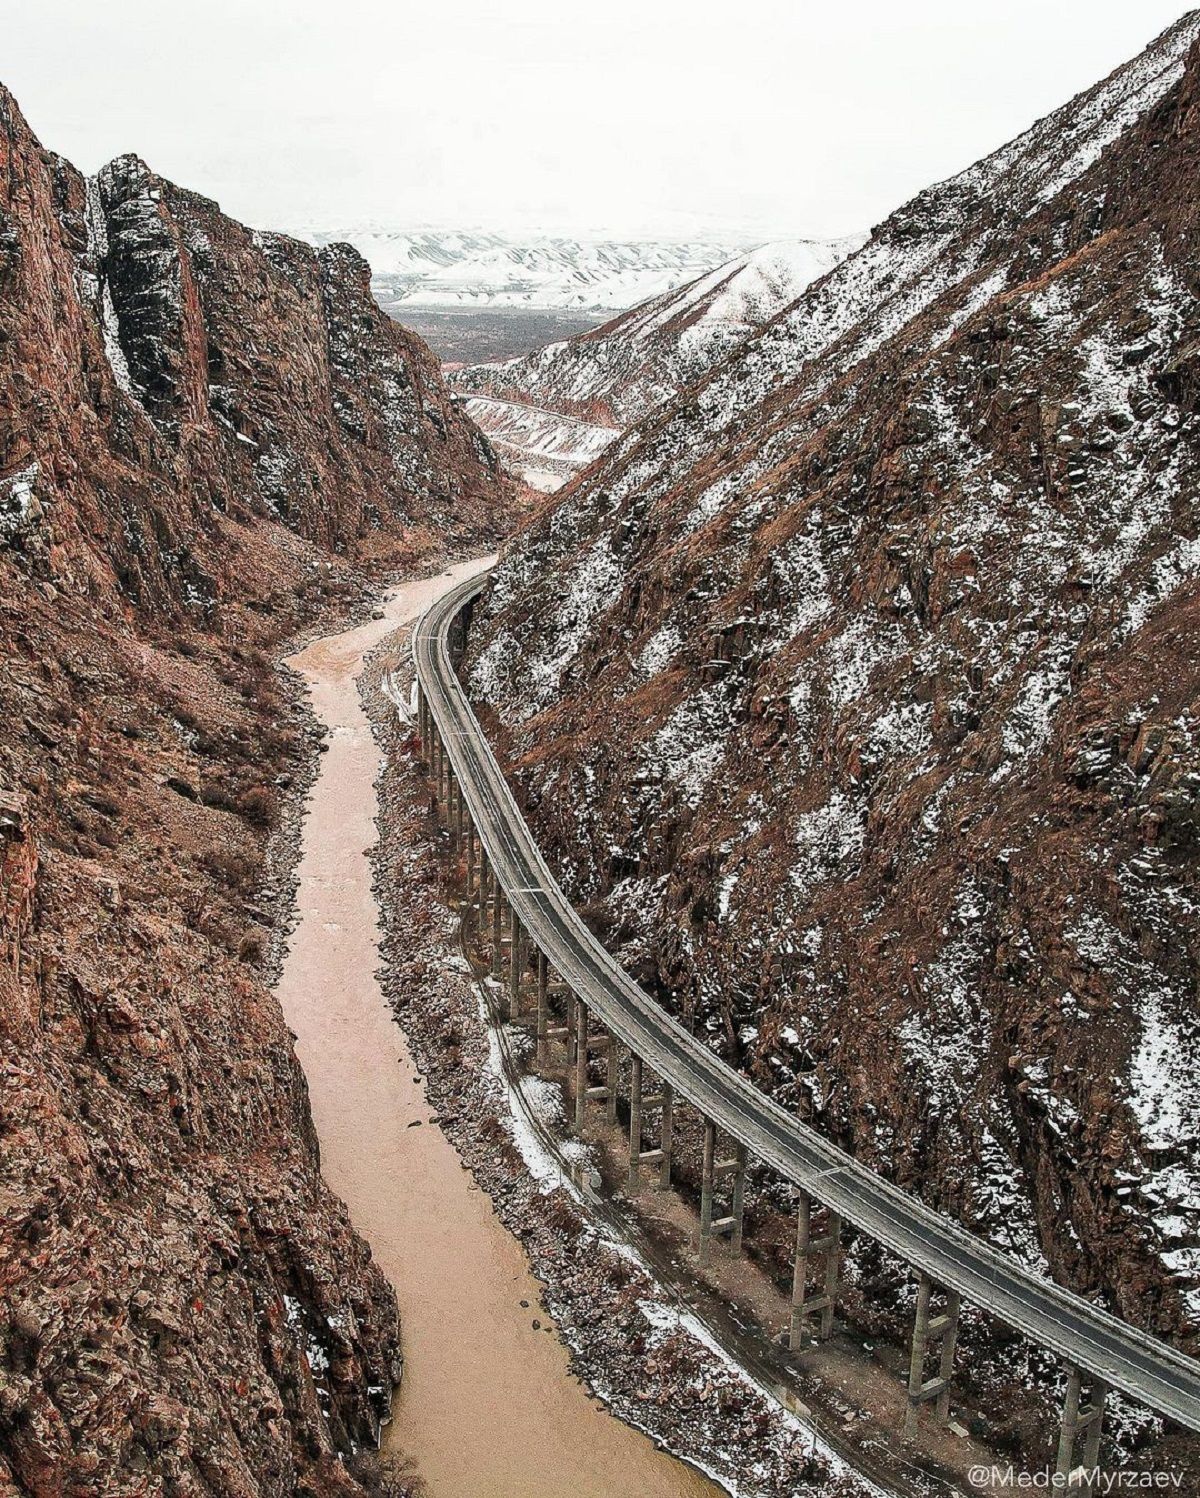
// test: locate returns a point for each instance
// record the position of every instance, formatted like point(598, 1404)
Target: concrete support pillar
point(715, 1173)
point(928, 1328)
point(826, 1245)
point(571, 1032)
point(916, 1363)
point(470, 856)
point(737, 1204)
point(581, 1059)
point(668, 1123)
point(514, 971)
point(833, 1267)
point(706, 1187)
point(593, 1043)
point(1081, 1419)
point(497, 916)
point(639, 1103)
point(1095, 1412)
point(543, 1009)
point(612, 1076)
point(459, 814)
point(1069, 1427)
point(635, 1124)
point(946, 1360)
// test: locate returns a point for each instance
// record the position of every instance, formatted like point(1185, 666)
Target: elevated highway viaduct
point(606, 1010)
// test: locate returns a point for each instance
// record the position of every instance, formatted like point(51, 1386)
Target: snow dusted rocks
point(874, 743)
point(543, 446)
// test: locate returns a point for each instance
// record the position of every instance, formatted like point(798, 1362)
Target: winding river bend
point(488, 1408)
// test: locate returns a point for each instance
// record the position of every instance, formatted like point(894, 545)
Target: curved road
point(1142, 1367)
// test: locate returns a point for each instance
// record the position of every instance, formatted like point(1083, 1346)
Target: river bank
point(488, 1407)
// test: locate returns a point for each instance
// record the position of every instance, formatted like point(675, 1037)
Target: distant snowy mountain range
point(468, 270)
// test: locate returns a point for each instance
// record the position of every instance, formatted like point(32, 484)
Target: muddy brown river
point(487, 1407)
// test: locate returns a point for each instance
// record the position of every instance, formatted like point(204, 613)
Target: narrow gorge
point(213, 441)
point(617, 1029)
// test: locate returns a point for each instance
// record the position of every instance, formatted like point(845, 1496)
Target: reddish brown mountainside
point(206, 437)
point(859, 696)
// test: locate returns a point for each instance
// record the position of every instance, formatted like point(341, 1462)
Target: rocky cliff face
point(857, 696)
point(207, 438)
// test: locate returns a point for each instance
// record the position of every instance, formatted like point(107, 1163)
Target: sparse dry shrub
point(251, 948)
point(597, 919)
point(384, 1476)
point(233, 867)
point(260, 806)
point(614, 1270)
point(216, 793)
point(562, 1217)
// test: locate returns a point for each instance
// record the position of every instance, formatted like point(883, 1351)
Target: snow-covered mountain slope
point(618, 373)
point(544, 447)
point(431, 268)
point(859, 688)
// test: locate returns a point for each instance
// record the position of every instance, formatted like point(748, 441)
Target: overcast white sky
point(620, 116)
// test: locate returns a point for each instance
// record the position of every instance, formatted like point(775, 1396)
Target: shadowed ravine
point(487, 1410)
